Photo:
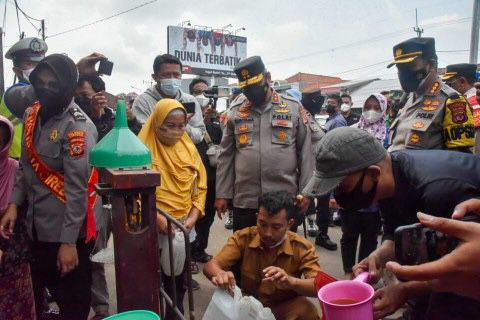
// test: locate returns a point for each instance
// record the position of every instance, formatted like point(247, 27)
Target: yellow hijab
point(183, 180)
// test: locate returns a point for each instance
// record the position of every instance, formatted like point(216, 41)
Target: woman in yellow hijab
point(183, 180)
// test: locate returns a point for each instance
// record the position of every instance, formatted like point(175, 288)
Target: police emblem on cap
point(35, 45)
point(398, 52)
point(245, 74)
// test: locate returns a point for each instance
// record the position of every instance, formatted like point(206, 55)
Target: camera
point(215, 92)
point(416, 244)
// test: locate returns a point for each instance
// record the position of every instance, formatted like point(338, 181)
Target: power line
point(363, 67)
point(102, 20)
point(18, 19)
point(376, 38)
point(4, 16)
point(25, 14)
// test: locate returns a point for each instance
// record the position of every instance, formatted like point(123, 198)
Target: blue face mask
point(170, 86)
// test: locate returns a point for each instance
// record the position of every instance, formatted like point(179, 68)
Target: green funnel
point(120, 148)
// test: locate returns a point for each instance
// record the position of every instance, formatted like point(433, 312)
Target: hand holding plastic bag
point(225, 307)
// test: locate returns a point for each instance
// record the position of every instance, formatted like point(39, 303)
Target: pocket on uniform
point(51, 150)
point(282, 135)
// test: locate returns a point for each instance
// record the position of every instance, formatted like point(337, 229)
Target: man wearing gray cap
point(356, 167)
point(25, 54)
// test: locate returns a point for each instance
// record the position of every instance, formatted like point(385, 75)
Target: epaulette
point(450, 92)
point(239, 101)
point(77, 114)
point(289, 98)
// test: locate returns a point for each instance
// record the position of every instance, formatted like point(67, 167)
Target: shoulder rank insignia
point(77, 114)
point(434, 87)
point(304, 114)
point(275, 98)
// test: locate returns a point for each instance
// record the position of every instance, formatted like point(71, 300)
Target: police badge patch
point(76, 142)
point(459, 112)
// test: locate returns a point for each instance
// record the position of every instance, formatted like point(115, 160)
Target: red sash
point(476, 110)
point(55, 181)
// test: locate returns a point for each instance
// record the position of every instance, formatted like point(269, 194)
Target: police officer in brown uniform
point(434, 116)
point(266, 146)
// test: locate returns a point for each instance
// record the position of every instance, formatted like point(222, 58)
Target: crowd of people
point(265, 162)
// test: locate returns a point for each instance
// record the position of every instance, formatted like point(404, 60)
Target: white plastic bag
point(222, 305)
point(225, 307)
point(179, 255)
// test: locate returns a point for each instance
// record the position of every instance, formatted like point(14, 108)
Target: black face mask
point(331, 109)
point(256, 94)
point(50, 103)
point(84, 103)
point(356, 199)
point(410, 81)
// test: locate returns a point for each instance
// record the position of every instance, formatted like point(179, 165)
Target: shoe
point(50, 314)
point(229, 220)
point(323, 240)
point(194, 267)
point(202, 257)
point(100, 316)
point(312, 229)
point(195, 285)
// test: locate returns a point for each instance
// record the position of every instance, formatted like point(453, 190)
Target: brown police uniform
point(264, 150)
point(439, 119)
point(296, 256)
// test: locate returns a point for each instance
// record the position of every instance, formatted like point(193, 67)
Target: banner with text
point(206, 52)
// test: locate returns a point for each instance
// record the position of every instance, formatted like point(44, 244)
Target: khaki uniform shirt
point(264, 150)
point(296, 256)
point(438, 119)
point(57, 144)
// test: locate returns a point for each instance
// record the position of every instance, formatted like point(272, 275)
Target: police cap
point(27, 49)
point(409, 50)
point(249, 71)
point(467, 70)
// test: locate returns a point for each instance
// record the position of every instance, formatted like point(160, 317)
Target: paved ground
point(330, 261)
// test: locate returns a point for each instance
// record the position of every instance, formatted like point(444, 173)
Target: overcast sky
point(323, 37)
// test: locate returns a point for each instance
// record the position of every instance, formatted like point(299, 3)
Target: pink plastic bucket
point(356, 290)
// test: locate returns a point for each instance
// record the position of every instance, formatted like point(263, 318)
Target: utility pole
point(417, 29)
point(475, 30)
point(2, 81)
point(43, 29)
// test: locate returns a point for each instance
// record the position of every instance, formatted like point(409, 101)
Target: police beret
point(409, 50)
point(27, 49)
point(249, 71)
point(467, 70)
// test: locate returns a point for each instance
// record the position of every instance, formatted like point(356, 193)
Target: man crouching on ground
point(271, 261)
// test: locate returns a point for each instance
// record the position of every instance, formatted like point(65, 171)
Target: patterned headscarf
point(377, 129)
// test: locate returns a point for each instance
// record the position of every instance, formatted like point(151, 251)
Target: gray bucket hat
point(341, 152)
